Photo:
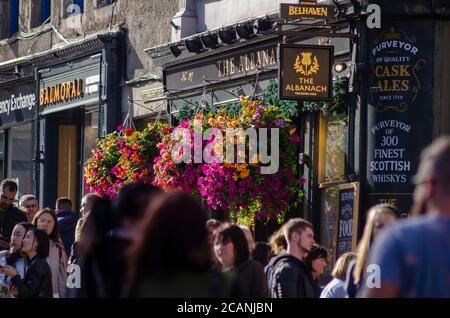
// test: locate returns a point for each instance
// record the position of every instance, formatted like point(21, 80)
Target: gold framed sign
point(347, 219)
point(305, 72)
point(306, 11)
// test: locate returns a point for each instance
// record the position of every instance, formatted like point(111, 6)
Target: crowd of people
point(149, 243)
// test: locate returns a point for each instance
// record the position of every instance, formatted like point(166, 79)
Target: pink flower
point(256, 116)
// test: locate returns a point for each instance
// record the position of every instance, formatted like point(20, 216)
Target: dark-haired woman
point(13, 257)
point(172, 257)
point(231, 249)
point(316, 262)
point(37, 282)
point(46, 220)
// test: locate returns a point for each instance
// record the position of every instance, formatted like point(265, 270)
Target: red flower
point(128, 131)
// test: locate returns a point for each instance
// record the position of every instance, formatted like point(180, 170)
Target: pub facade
point(393, 100)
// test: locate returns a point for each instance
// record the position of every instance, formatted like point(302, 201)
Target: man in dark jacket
point(286, 273)
point(67, 221)
point(9, 215)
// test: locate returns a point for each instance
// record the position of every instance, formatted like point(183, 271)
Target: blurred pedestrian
point(13, 257)
point(232, 251)
point(316, 262)
point(172, 257)
point(287, 274)
point(277, 241)
point(262, 253)
point(249, 237)
point(413, 256)
point(67, 222)
point(96, 258)
point(87, 202)
point(9, 214)
point(37, 282)
point(46, 220)
point(29, 203)
point(379, 216)
point(336, 288)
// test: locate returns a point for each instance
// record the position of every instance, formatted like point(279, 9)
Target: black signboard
point(68, 85)
point(400, 112)
point(230, 65)
point(17, 103)
point(305, 72)
point(347, 218)
point(306, 11)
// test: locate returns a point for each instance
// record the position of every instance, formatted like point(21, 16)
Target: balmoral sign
point(305, 72)
point(61, 92)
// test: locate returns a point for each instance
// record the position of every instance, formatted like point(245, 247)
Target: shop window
point(67, 161)
point(40, 12)
point(90, 131)
point(2, 155)
point(333, 148)
point(20, 163)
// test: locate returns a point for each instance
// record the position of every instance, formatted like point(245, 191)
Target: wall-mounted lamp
point(175, 50)
point(194, 45)
point(227, 36)
point(340, 67)
point(210, 41)
point(245, 31)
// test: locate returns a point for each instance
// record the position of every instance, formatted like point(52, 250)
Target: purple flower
point(256, 116)
point(280, 122)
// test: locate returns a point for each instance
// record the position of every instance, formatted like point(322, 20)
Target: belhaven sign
point(306, 11)
point(305, 72)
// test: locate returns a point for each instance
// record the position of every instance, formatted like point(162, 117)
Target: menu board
point(347, 218)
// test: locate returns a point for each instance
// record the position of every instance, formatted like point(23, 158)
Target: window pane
point(21, 164)
point(80, 3)
point(333, 148)
point(90, 136)
point(45, 10)
point(329, 209)
point(13, 17)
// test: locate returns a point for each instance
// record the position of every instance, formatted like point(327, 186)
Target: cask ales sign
point(400, 112)
point(305, 72)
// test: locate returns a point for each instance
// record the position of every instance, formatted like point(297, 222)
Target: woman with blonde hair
point(336, 288)
point(277, 241)
point(379, 216)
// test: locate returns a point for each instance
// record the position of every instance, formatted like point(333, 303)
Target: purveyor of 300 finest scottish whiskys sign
point(400, 114)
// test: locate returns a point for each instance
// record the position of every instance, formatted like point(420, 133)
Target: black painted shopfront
point(79, 101)
point(18, 103)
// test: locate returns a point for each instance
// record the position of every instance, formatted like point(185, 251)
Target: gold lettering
point(252, 61)
point(247, 64)
point(63, 91)
point(225, 68)
point(241, 63)
point(272, 57)
point(219, 67)
point(46, 97)
point(80, 87)
point(265, 57)
point(57, 97)
point(74, 88)
point(232, 65)
point(41, 96)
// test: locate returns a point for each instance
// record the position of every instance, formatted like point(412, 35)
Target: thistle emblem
point(307, 64)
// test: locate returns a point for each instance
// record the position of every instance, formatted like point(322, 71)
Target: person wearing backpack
point(46, 220)
point(287, 275)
